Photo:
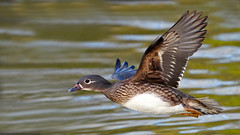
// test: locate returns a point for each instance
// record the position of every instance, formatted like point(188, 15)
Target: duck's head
point(91, 83)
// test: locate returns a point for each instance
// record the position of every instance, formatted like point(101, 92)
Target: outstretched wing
point(123, 72)
point(165, 60)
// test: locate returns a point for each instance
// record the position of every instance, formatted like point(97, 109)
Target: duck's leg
point(192, 113)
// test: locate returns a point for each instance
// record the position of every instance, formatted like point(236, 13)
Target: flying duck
point(152, 88)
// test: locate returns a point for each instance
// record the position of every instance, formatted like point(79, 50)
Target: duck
point(152, 88)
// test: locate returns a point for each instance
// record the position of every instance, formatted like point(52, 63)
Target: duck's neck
point(114, 93)
point(104, 87)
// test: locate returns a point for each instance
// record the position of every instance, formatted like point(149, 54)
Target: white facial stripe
point(79, 85)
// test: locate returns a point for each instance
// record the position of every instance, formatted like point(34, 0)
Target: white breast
point(150, 103)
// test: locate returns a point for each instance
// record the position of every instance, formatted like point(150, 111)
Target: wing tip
point(195, 13)
point(117, 64)
point(124, 65)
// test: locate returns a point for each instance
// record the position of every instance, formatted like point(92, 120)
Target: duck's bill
point(77, 87)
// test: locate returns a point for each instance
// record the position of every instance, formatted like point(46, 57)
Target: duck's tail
point(208, 106)
point(204, 105)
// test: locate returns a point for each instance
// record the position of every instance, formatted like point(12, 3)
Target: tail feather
point(205, 105)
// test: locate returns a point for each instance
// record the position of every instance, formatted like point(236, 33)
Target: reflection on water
point(223, 54)
point(83, 44)
point(201, 71)
point(136, 37)
point(204, 83)
point(233, 90)
point(17, 32)
point(152, 25)
point(47, 46)
point(152, 2)
point(234, 36)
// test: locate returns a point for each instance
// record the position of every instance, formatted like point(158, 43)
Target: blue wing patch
point(123, 72)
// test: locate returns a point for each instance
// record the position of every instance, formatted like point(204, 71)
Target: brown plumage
point(153, 87)
point(165, 60)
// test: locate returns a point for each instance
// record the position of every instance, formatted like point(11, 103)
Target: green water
point(46, 46)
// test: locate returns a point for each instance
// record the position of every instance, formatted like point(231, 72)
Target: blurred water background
point(46, 46)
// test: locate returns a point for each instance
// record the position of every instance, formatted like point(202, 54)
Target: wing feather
point(122, 72)
point(165, 60)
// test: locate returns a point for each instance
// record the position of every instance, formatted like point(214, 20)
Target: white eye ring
point(87, 81)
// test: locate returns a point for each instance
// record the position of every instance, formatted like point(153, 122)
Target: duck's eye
point(87, 81)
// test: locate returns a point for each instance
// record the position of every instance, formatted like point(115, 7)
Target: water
point(47, 46)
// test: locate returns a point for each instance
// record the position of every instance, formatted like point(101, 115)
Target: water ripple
point(136, 37)
point(202, 119)
point(146, 24)
point(232, 90)
point(204, 83)
point(69, 44)
point(149, 2)
point(223, 54)
point(234, 36)
point(82, 44)
point(201, 71)
point(234, 125)
point(16, 32)
point(52, 71)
